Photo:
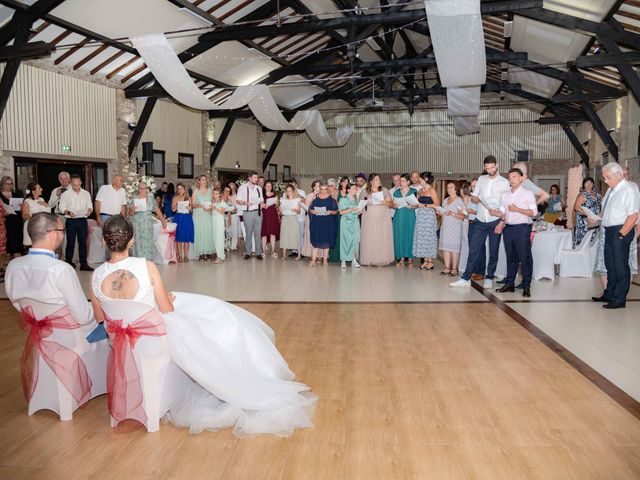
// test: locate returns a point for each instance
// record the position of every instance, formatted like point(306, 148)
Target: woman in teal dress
point(404, 222)
point(349, 228)
point(202, 220)
point(142, 220)
point(334, 253)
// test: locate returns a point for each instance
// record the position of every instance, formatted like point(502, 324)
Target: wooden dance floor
point(407, 391)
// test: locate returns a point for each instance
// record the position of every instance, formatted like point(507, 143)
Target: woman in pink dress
point(376, 232)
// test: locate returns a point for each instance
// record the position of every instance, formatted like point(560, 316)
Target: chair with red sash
point(60, 370)
point(142, 381)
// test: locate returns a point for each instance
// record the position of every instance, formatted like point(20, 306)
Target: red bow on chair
point(65, 364)
point(124, 392)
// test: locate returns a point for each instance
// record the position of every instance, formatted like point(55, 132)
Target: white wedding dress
point(242, 381)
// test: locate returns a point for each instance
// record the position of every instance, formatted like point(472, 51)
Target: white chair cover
point(162, 381)
point(581, 261)
point(50, 393)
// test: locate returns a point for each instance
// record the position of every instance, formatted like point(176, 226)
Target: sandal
point(454, 273)
point(400, 263)
point(179, 259)
point(274, 254)
point(446, 271)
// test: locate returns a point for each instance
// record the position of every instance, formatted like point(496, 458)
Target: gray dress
point(451, 227)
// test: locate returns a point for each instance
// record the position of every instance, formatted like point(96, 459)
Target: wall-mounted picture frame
point(286, 173)
point(272, 172)
point(185, 165)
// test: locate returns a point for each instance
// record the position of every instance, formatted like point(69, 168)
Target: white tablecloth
point(165, 242)
point(546, 249)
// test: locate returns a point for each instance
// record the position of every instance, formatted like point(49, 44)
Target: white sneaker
point(343, 264)
point(488, 283)
point(461, 282)
point(355, 264)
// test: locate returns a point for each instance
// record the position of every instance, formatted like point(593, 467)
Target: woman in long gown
point(425, 236)
point(142, 220)
point(184, 222)
point(33, 203)
point(202, 222)
point(451, 229)
point(404, 222)
point(218, 214)
point(341, 192)
point(242, 381)
point(376, 232)
point(590, 199)
point(307, 250)
point(322, 224)
point(349, 228)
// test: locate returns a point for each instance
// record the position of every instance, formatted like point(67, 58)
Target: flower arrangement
point(132, 179)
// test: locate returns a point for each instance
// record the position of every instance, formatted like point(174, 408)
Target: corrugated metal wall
point(241, 145)
point(382, 142)
point(174, 129)
point(47, 110)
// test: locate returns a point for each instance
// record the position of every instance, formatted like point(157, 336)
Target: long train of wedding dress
point(242, 381)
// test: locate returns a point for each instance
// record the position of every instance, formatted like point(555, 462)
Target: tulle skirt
point(242, 380)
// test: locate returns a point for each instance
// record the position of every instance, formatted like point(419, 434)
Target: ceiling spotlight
point(237, 165)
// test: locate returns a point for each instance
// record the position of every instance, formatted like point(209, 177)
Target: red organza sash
point(65, 364)
point(124, 391)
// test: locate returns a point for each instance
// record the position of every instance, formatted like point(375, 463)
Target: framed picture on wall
point(156, 167)
point(286, 173)
point(185, 165)
point(272, 173)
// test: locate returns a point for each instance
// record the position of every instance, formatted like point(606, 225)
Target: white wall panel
point(241, 145)
point(174, 129)
point(47, 110)
point(392, 142)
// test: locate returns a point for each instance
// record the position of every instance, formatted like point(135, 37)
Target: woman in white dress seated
point(242, 381)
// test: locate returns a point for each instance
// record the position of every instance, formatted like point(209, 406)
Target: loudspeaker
point(147, 152)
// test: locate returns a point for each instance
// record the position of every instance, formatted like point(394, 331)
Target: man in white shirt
point(250, 197)
point(75, 205)
point(415, 181)
point(40, 276)
point(620, 208)
point(518, 207)
point(396, 183)
point(111, 200)
point(65, 179)
point(301, 216)
point(488, 196)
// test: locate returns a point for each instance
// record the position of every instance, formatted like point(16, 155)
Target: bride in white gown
point(242, 381)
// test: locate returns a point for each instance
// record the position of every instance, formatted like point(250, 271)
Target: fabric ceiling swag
point(459, 48)
point(169, 71)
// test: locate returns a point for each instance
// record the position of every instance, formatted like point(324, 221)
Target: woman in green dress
point(340, 192)
point(349, 228)
point(201, 201)
point(217, 223)
point(141, 210)
point(404, 222)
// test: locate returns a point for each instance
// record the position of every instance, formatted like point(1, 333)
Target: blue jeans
point(481, 261)
point(76, 227)
point(477, 241)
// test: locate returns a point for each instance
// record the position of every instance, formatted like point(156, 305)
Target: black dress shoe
point(247, 257)
point(526, 292)
point(71, 263)
point(86, 268)
point(601, 298)
point(506, 289)
point(259, 257)
point(613, 306)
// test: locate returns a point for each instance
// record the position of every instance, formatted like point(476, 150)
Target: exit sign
point(66, 148)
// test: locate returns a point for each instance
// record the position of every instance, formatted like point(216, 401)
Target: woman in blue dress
point(590, 199)
point(181, 207)
point(322, 224)
point(404, 222)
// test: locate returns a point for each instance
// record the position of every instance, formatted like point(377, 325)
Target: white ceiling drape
point(169, 71)
point(456, 32)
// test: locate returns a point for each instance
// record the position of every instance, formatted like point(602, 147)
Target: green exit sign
point(66, 148)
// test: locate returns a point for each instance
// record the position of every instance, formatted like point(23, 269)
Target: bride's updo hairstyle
point(117, 232)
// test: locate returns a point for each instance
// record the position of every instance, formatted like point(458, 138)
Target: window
point(156, 168)
point(185, 165)
point(272, 173)
point(286, 173)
